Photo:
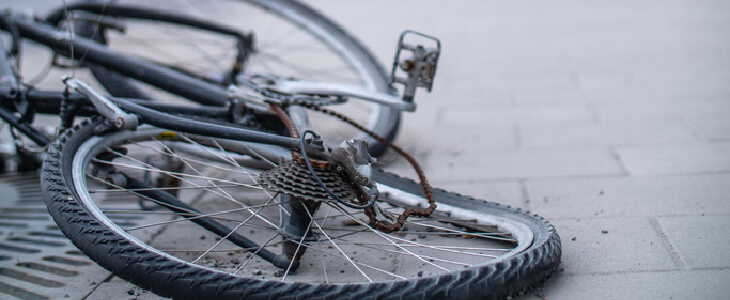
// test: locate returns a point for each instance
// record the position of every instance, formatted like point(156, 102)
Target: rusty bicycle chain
point(286, 119)
point(294, 133)
point(370, 212)
point(409, 212)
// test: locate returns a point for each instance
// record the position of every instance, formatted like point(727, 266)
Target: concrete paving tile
point(705, 284)
point(117, 288)
point(603, 79)
point(546, 115)
point(630, 196)
point(535, 99)
point(712, 128)
point(600, 245)
point(668, 78)
point(660, 108)
point(713, 86)
point(630, 132)
point(478, 165)
point(457, 139)
point(528, 80)
point(705, 91)
point(625, 95)
point(469, 93)
point(673, 159)
point(702, 241)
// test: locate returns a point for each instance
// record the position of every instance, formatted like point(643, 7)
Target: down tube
point(159, 76)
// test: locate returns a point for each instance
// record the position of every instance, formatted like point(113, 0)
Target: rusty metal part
point(317, 164)
point(294, 133)
point(300, 187)
point(294, 178)
point(285, 119)
point(409, 212)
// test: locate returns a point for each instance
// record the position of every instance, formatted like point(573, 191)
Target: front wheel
point(467, 249)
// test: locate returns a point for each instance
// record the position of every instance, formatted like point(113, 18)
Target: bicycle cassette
point(294, 178)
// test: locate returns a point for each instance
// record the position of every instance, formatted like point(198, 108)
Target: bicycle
point(239, 197)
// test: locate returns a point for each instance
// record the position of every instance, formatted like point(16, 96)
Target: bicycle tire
point(101, 238)
point(384, 120)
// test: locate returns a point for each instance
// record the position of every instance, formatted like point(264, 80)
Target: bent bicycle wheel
point(467, 249)
point(290, 40)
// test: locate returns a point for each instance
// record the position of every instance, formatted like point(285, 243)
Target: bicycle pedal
point(414, 65)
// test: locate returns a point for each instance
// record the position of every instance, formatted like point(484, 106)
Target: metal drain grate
point(36, 260)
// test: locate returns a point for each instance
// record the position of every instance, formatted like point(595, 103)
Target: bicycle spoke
point(388, 237)
point(299, 246)
point(487, 235)
point(347, 257)
point(224, 194)
point(229, 234)
point(207, 164)
point(138, 194)
point(255, 253)
point(158, 189)
point(177, 175)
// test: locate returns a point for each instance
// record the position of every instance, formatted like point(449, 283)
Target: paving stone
point(630, 132)
point(465, 93)
point(546, 115)
point(565, 163)
point(630, 196)
point(607, 245)
point(674, 159)
point(705, 284)
point(712, 128)
point(660, 108)
point(702, 241)
point(624, 97)
point(604, 79)
point(117, 288)
point(713, 86)
point(455, 140)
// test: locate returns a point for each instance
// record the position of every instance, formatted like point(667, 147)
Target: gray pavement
point(609, 118)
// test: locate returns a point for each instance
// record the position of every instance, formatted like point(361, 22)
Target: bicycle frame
point(164, 78)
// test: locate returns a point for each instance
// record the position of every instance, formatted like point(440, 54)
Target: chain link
point(409, 212)
point(370, 211)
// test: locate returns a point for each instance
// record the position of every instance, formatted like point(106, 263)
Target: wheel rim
point(374, 257)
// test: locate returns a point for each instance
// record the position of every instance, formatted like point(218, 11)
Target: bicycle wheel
point(291, 40)
point(467, 249)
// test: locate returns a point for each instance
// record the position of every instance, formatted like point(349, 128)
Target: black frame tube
point(244, 42)
point(163, 120)
point(142, 13)
point(145, 71)
point(8, 82)
point(49, 102)
point(164, 78)
point(36, 136)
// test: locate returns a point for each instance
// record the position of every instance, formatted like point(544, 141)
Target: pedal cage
point(420, 68)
